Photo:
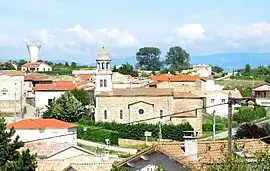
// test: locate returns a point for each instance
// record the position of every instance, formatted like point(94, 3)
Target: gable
point(140, 102)
point(265, 87)
point(69, 152)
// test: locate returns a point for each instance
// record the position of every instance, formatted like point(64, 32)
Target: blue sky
point(74, 30)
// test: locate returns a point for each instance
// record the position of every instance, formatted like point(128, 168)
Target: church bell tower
point(103, 74)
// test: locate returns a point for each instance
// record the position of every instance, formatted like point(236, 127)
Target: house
point(200, 69)
point(38, 129)
point(12, 97)
point(45, 93)
point(190, 155)
point(4, 64)
point(36, 67)
point(126, 81)
point(261, 93)
point(32, 79)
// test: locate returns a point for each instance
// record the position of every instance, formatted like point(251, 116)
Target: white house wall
point(220, 110)
point(42, 97)
point(34, 134)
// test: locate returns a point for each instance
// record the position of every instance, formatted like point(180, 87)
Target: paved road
point(114, 148)
point(224, 134)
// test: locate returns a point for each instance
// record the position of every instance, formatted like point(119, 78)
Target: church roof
point(103, 54)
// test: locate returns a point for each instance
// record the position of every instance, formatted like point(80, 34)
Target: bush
point(97, 134)
point(209, 127)
point(136, 131)
point(248, 114)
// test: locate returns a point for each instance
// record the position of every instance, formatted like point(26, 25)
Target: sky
point(75, 30)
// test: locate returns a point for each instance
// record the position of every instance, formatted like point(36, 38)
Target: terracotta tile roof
point(58, 86)
point(32, 64)
point(37, 77)
point(11, 72)
point(207, 78)
point(175, 78)
point(209, 152)
point(85, 77)
point(40, 123)
point(139, 92)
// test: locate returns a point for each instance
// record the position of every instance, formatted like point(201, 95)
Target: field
point(236, 83)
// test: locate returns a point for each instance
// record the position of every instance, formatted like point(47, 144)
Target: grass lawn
point(236, 83)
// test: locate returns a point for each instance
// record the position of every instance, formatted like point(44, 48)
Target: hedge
point(209, 126)
point(136, 131)
point(248, 114)
point(97, 134)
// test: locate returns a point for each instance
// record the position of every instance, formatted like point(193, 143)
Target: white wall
point(8, 87)
point(124, 86)
point(44, 67)
point(42, 97)
point(34, 134)
point(106, 76)
point(221, 110)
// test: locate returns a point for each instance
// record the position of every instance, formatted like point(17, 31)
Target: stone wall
point(7, 106)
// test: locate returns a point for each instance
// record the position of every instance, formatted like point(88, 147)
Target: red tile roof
point(37, 77)
point(175, 78)
point(32, 64)
point(86, 77)
point(40, 123)
point(11, 72)
point(58, 86)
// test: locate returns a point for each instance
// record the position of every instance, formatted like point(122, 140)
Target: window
point(105, 114)
point(102, 65)
point(141, 111)
point(4, 91)
point(44, 69)
point(161, 114)
point(260, 94)
point(107, 65)
point(49, 101)
point(101, 83)
point(212, 100)
point(105, 83)
point(121, 114)
point(223, 101)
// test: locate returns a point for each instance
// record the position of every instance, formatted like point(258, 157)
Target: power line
point(177, 113)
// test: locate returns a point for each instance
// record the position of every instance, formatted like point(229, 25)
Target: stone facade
point(132, 105)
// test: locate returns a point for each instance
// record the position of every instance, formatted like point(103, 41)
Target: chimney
point(33, 51)
point(190, 144)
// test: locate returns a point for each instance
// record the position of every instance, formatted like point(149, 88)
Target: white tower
point(103, 74)
point(33, 51)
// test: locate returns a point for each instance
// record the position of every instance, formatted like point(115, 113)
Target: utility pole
point(230, 127)
point(214, 125)
point(21, 99)
point(160, 131)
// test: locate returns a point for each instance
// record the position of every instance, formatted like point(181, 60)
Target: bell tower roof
point(103, 54)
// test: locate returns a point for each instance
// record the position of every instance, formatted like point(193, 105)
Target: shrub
point(136, 131)
point(209, 127)
point(248, 114)
point(97, 134)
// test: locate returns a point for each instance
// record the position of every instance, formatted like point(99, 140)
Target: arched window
point(98, 65)
point(121, 114)
point(105, 114)
point(107, 65)
point(102, 65)
point(161, 114)
point(105, 83)
point(101, 83)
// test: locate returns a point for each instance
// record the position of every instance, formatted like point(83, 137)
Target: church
point(142, 104)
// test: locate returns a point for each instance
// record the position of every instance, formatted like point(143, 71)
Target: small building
point(51, 130)
point(190, 155)
point(36, 67)
point(12, 97)
point(45, 93)
point(261, 93)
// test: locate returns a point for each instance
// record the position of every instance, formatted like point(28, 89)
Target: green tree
point(49, 63)
point(247, 70)
point(66, 64)
point(11, 159)
point(128, 69)
point(73, 65)
point(217, 69)
point(149, 58)
point(177, 58)
point(20, 63)
point(66, 108)
point(7, 66)
point(245, 92)
point(82, 96)
point(114, 69)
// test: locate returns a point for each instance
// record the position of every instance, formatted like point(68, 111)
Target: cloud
point(255, 37)
point(79, 35)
